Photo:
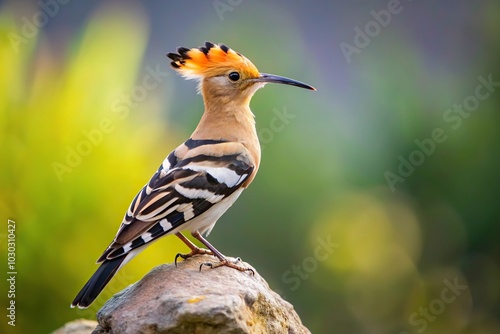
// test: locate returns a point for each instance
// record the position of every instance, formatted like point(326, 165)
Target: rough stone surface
point(185, 300)
point(81, 326)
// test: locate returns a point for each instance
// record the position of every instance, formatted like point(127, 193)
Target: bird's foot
point(229, 264)
point(195, 251)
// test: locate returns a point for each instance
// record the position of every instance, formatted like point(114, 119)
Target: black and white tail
point(97, 282)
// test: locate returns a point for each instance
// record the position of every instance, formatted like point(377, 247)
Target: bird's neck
point(227, 119)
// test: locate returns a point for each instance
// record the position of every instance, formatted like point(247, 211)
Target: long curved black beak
point(264, 77)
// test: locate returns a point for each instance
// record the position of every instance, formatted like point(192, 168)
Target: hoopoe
point(204, 176)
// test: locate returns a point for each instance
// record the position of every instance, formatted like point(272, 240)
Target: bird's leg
point(222, 258)
point(194, 249)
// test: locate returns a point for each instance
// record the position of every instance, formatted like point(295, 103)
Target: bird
point(201, 178)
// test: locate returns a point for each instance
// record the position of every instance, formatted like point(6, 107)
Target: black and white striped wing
point(176, 196)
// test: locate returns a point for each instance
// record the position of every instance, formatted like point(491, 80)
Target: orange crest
point(210, 60)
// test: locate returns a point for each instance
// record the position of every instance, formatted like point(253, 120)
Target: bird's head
point(224, 73)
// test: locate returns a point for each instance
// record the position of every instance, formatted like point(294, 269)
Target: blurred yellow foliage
point(64, 180)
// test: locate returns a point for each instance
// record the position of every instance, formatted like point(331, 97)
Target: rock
point(183, 300)
point(81, 326)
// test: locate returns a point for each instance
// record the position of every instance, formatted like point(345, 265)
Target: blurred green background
point(376, 206)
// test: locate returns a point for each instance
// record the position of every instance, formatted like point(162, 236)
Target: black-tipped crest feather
point(174, 56)
point(183, 52)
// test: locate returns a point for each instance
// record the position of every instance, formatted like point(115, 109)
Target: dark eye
point(234, 76)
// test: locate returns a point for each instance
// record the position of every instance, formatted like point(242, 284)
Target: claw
point(195, 251)
point(215, 252)
point(208, 264)
point(226, 263)
point(179, 255)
